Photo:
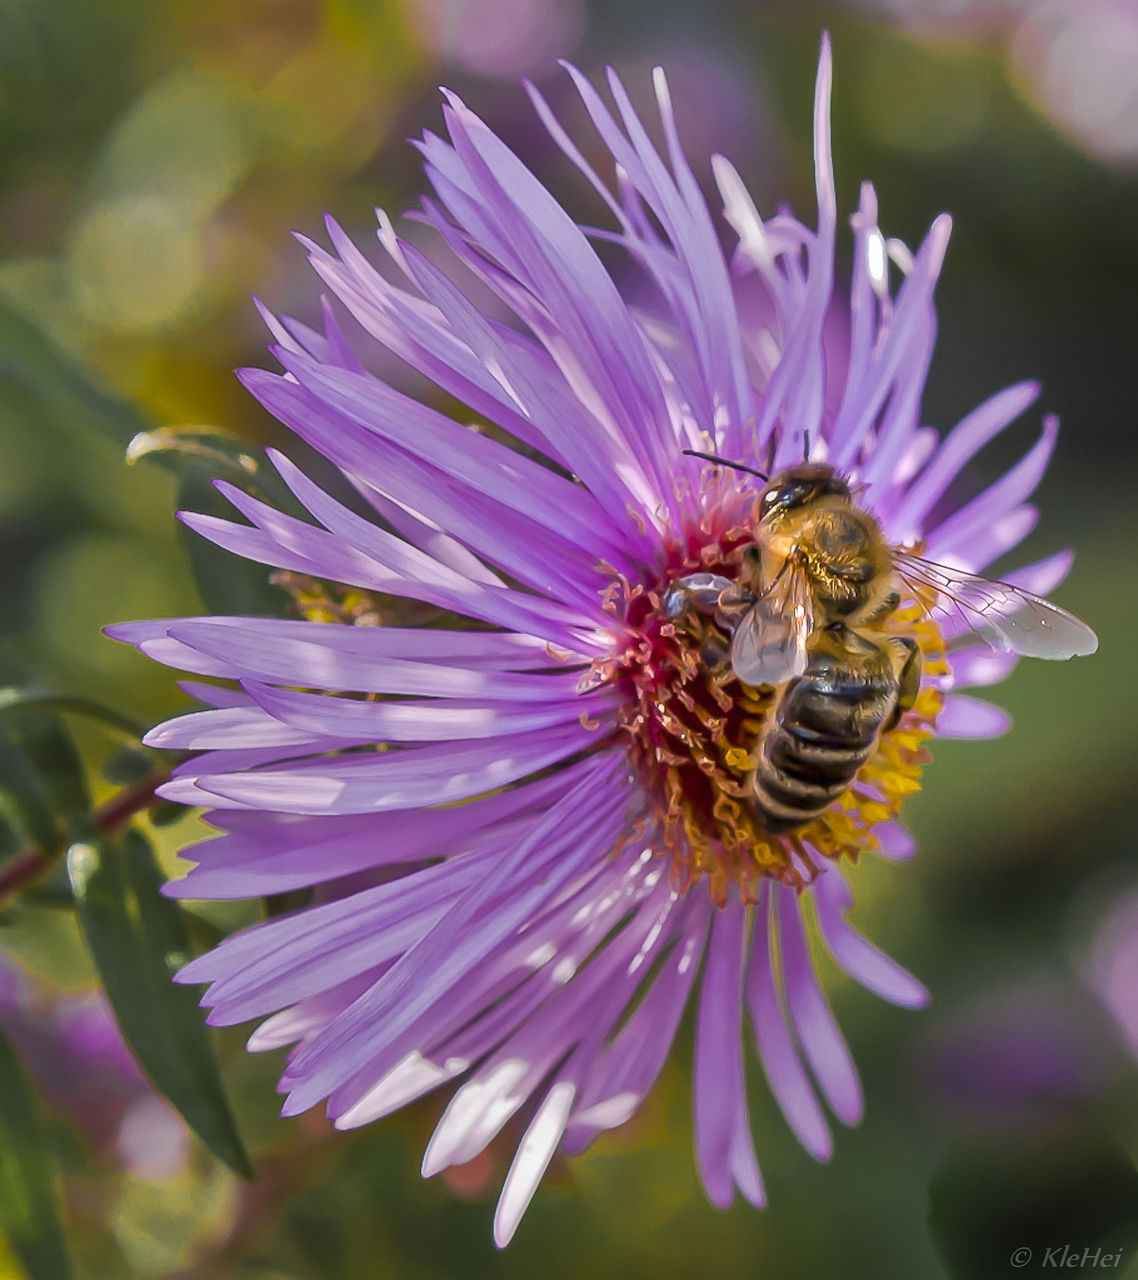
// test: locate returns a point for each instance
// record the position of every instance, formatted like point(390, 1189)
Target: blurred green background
point(153, 161)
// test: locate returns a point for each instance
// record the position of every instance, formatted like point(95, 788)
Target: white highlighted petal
point(901, 254)
point(413, 1077)
point(877, 262)
point(532, 1160)
point(474, 1115)
point(609, 1113)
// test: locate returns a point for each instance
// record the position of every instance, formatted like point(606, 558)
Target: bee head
point(798, 486)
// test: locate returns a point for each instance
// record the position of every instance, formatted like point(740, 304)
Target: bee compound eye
point(782, 497)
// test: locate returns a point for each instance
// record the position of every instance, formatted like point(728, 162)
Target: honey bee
point(806, 616)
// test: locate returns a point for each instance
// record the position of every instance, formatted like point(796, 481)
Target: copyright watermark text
point(1065, 1255)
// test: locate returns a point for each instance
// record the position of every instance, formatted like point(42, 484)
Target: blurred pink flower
point(72, 1047)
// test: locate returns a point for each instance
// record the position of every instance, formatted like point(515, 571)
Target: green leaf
point(16, 699)
point(213, 453)
point(128, 766)
point(42, 781)
point(23, 803)
point(165, 813)
point(45, 742)
point(227, 455)
point(31, 361)
point(138, 940)
point(29, 1209)
point(10, 842)
point(227, 583)
point(200, 455)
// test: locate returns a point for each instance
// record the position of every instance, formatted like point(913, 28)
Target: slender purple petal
point(860, 959)
point(969, 435)
point(374, 1028)
point(965, 717)
point(777, 1052)
point(375, 782)
point(723, 1144)
point(1007, 492)
point(818, 1036)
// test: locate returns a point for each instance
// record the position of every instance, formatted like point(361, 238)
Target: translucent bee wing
point(1003, 616)
point(769, 644)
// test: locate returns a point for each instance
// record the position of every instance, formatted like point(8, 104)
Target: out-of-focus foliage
point(153, 160)
point(29, 1214)
point(138, 942)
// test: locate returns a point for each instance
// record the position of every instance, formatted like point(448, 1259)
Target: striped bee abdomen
point(825, 726)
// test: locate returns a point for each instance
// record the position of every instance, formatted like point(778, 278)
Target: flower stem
point(32, 863)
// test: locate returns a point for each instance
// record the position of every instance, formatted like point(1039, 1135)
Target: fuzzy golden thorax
point(841, 549)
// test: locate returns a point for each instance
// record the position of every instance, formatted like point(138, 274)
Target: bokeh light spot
point(1078, 62)
point(134, 262)
point(499, 37)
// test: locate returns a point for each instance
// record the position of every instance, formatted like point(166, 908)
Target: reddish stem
point(30, 864)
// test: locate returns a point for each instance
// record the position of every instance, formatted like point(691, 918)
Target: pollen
point(693, 732)
point(318, 601)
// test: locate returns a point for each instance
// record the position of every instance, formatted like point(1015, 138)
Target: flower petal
point(965, 717)
point(375, 782)
point(374, 1030)
point(532, 1159)
point(997, 500)
point(818, 1036)
point(437, 720)
point(961, 444)
point(723, 1143)
point(781, 1063)
point(860, 959)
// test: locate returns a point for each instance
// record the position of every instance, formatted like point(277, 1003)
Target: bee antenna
point(726, 462)
point(806, 446)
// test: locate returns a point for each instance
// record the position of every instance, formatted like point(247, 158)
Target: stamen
point(319, 601)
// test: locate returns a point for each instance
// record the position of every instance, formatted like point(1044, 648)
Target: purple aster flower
point(527, 827)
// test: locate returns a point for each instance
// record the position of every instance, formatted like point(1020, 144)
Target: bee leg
point(715, 653)
point(737, 599)
point(713, 596)
point(906, 655)
point(732, 605)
